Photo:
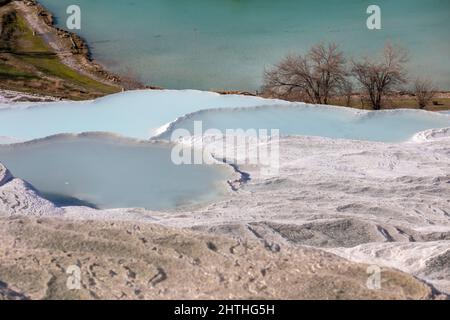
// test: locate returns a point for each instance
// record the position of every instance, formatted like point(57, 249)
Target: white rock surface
point(376, 203)
point(426, 260)
point(18, 197)
point(5, 175)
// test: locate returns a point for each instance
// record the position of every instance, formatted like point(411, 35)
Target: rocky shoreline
point(70, 47)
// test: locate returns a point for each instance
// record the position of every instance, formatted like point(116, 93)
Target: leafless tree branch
point(380, 77)
point(424, 91)
point(317, 76)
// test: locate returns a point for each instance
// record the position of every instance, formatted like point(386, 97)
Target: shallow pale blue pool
point(144, 114)
point(310, 120)
point(106, 172)
point(134, 114)
point(110, 171)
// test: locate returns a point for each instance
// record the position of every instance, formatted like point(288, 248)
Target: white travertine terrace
point(372, 202)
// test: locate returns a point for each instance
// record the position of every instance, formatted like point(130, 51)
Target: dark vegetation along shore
point(326, 76)
point(38, 58)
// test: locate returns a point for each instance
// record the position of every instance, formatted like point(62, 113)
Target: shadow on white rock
point(19, 197)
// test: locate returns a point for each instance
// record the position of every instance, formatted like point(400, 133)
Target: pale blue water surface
point(143, 114)
point(134, 114)
point(105, 172)
point(322, 121)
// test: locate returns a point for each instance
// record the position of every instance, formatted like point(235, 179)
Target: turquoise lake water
point(226, 44)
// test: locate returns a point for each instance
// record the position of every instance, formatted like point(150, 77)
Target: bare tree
point(346, 91)
point(317, 76)
point(379, 78)
point(424, 91)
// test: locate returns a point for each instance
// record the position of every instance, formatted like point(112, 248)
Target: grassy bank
point(403, 102)
point(29, 64)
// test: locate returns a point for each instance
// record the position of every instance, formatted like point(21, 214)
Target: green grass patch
point(50, 65)
point(34, 52)
point(28, 42)
point(10, 73)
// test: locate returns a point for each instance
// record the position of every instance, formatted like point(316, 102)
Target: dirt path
point(49, 35)
point(62, 43)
